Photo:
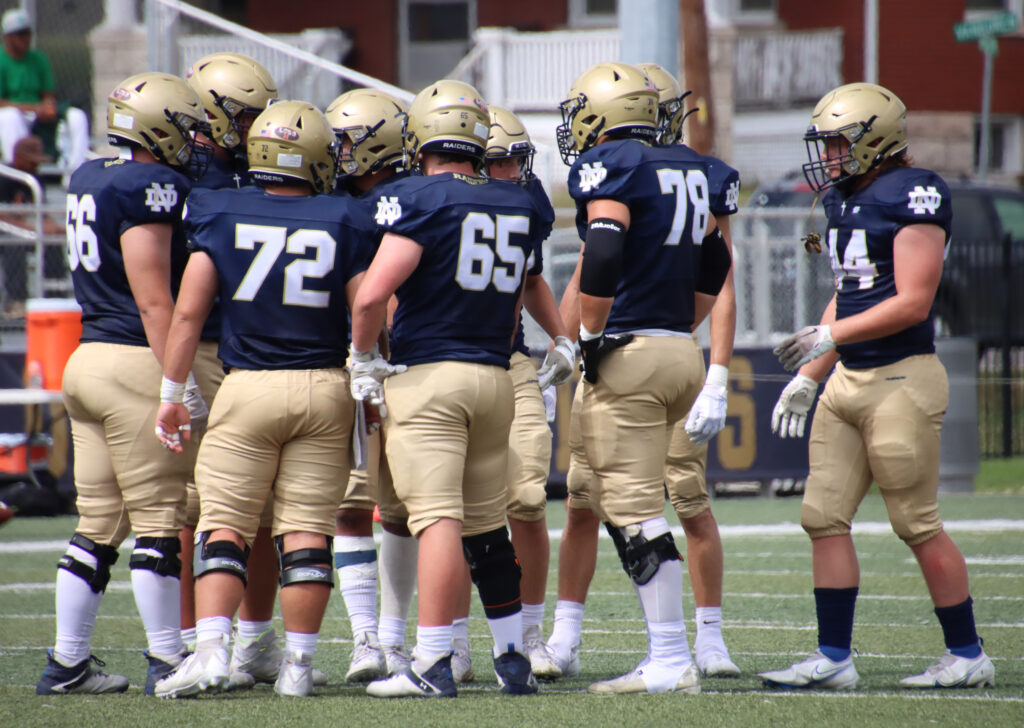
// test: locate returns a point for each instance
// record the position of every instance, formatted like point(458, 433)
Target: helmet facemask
point(823, 161)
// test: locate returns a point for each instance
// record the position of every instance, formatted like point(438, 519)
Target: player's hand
point(368, 370)
point(173, 425)
point(596, 349)
point(194, 402)
point(808, 343)
point(707, 415)
point(558, 364)
point(790, 413)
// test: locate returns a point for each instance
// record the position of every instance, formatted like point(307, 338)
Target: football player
point(284, 259)
point(642, 372)
point(687, 452)
point(510, 156)
point(455, 251)
point(234, 89)
point(126, 253)
point(881, 412)
point(368, 125)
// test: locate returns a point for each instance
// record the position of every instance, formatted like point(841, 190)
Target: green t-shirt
point(25, 81)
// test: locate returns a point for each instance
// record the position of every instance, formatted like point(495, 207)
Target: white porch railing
point(778, 69)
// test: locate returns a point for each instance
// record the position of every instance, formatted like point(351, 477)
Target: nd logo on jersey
point(591, 176)
point(161, 198)
point(924, 199)
point(388, 210)
point(732, 196)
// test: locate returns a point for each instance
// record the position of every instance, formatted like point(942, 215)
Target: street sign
point(987, 26)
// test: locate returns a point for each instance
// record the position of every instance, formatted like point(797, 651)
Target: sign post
point(985, 31)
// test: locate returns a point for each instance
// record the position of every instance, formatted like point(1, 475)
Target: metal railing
point(773, 69)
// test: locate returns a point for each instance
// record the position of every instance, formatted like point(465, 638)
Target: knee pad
point(222, 556)
point(305, 565)
point(159, 555)
point(641, 558)
point(495, 570)
point(97, 578)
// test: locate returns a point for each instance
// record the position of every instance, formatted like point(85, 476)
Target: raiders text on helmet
point(867, 116)
point(160, 113)
point(291, 140)
point(372, 121)
point(609, 98)
point(229, 85)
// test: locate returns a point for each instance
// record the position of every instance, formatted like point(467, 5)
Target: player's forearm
point(540, 302)
point(368, 318)
point(569, 308)
point(180, 350)
point(594, 311)
point(723, 324)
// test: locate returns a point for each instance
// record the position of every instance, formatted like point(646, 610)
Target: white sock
point(303, 643)
point(159, 603)
point(709, 626)
point(533, 616)
point(568, 626)
point(398, 556)
point(668, 644)
point(460, 629)
point(391, 632)
point(251, 631)
point(77, 605)
point(507, 632)
point(662, 602)
point(213, 628)
point(432, 643)
point(188, 636)
point(355, 559)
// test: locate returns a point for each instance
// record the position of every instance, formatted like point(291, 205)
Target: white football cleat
point(717, 663)
point(462, 663)
point(260, 660)
point(295, 678)
point(647, 678)
point(204, 671)
point(368, 661)
point(816, 672)
point(542, 661)
point(434, 682)
point(955, 672)
point(568, 664)
point(396, 658)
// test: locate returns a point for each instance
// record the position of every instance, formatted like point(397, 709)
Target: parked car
point(981, 293)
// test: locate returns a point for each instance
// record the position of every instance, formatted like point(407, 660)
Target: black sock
point(835, 621)
point(958, 628)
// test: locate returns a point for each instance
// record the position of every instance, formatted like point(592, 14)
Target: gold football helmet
point(372, 121)
point(448, 117)
point(508, 138)
point(291, 140)
point(161, 114)
point(867, 116)
point(231, 85)
point(670, 103)
point(608, 98)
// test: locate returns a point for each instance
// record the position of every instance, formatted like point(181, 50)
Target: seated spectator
point(28, 102)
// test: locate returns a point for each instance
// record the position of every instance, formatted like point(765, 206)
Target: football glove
point(558, 364)
point(596, 349)
point(707, 415)
point(808, 343)
point(368, 370)
point(790, 413)
point(550, 396)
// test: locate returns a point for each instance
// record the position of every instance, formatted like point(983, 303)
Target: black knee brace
point(97, 578)
point(305, 565)
point(494, 568)
point(167, 563)
point(642, 558)
point(223, 556)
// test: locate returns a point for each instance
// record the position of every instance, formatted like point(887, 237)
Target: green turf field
point(769, 622)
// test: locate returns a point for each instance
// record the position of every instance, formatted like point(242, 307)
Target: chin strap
point(812, 241)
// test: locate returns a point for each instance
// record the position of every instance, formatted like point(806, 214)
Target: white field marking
point(880, 574)
point(808, 595)
point(785, 528)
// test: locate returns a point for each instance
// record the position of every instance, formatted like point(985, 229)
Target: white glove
point(808, 343)
point(550, 395)
point(790, 413)
point(194, 402)
point(368, 370)
point(558, 365)
point(707, 415)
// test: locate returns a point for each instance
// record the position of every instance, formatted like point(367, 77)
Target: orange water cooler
point(53, 327)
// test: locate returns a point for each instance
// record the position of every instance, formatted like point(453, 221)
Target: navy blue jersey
point(282, 266)
point(666, 189)
point(105, 198)
point(224, 174)
point(861, 229)
point(476, 235)
point(723, 183)
point(535, 264)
